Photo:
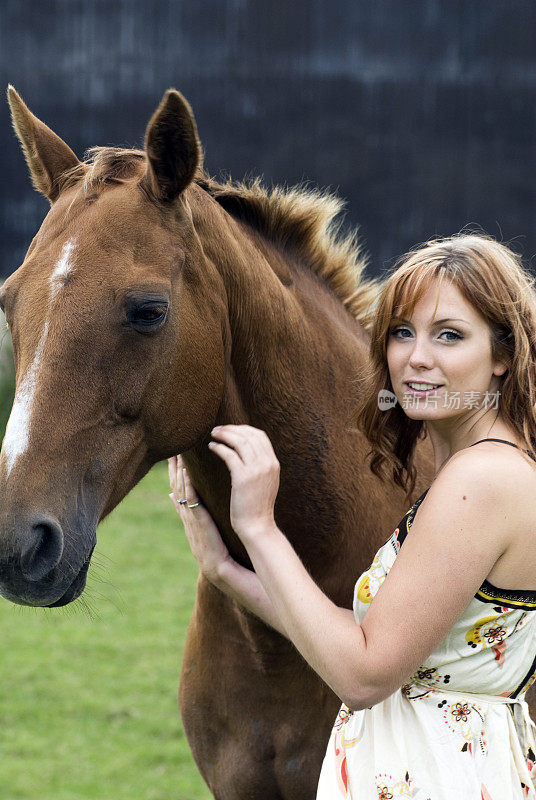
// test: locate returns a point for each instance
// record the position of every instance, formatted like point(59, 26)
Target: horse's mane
point(299, 218)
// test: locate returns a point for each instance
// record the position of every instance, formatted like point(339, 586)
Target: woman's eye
point(453, 334)
point(399, 331)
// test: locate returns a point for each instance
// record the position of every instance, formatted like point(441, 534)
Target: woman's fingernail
point(217, 428)
point(211, 444)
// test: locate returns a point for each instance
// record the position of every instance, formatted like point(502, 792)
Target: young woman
point(433, 663)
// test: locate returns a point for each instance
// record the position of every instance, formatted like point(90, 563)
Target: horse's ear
point(172, 148)
point(47, 155)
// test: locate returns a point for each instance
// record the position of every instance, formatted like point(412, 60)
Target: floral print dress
point(460, 728)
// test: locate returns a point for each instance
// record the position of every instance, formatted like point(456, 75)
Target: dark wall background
point(421, 113)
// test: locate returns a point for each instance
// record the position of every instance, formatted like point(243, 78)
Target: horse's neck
point(290, 339)
point(293, 353)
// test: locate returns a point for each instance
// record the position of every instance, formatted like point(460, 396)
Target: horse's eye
point(147, 317)
point(150, 314)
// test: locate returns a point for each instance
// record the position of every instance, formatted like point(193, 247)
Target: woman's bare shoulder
point(492, 475)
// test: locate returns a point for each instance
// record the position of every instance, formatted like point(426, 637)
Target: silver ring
point(182, 502)
point(193, 505)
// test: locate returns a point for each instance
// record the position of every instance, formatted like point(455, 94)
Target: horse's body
point(153, 304)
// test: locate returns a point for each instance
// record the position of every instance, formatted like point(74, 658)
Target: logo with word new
point(386, 400)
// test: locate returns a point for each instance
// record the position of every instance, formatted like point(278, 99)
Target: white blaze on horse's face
point(18, 427)
point(17, 433)
point(62, 269)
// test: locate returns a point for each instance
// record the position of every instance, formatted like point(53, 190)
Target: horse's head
point(116, 322)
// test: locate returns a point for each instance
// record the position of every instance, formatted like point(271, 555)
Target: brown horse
point(152, 304)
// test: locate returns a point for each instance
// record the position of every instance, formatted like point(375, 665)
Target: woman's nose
point(420, 355)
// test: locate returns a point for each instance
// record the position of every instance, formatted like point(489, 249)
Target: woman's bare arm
point(244, 586)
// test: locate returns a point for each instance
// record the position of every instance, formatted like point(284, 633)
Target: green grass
point(7, 377)
point(88, 706)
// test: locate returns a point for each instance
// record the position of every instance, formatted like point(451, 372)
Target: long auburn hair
point(492, 278)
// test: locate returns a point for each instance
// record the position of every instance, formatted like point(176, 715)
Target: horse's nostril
point(44, 550)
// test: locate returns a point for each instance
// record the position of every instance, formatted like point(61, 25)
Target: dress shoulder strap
point(504, 442)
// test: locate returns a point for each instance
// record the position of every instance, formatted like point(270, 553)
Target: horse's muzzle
point(75, 589)
point(37, 571)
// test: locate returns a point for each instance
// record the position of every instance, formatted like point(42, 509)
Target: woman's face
point(448, 348)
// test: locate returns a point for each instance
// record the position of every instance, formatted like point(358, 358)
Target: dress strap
point(494, 440)
point(505, 441)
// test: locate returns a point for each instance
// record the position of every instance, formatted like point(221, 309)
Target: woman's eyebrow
point(437, 321)
point(450, 319)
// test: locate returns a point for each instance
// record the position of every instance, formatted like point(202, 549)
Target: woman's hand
point(203, 536)
point(238, 582)
point(254, 469)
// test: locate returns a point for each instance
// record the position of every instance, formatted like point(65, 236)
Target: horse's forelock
point(106, 165)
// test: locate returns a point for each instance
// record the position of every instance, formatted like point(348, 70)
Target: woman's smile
point(422, 389)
